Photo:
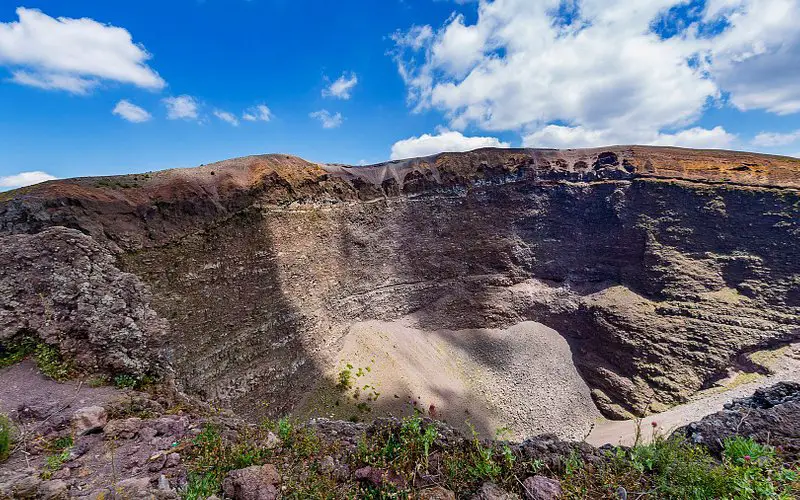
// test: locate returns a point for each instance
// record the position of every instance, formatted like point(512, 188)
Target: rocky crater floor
point(512, 292)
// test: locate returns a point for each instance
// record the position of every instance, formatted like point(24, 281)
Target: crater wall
point(659, 266)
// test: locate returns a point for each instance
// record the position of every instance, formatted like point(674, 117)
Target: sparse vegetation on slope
point(396, 459)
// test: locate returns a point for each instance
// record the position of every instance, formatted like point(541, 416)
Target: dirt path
point(520, 379)
point(785, 366)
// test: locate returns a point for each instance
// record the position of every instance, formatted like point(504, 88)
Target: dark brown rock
point(379, 477)
point(771, 416)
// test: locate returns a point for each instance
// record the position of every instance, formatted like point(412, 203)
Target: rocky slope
point(75, 440)
point(660, 266)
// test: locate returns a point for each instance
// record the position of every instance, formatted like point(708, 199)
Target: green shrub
point(6, 429)
point(675, 468)
point(741, 451)
point(345, 381)
point(47, 358)
point(127, 381)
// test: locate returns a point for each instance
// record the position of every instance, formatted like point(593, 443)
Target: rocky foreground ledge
point(81, 440)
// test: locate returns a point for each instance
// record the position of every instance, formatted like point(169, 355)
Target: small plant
point(48, 358)
point(744, 451)
point(98, 381)
point(59, 455)
point(345, 381)
point(49, 361)
point(127, 381)
point(6, 428)
point(284, 428)
point(200, 486)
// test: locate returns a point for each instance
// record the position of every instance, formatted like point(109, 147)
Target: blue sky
point(363, 81)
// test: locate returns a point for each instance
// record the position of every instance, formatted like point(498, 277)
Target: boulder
point(490, 491)
point(88, 420)
point(541, 488)
point(379, 477)
point(123, 429)
point(436, 493)
point(53, 490)
point(134, 485)
point(253, 483)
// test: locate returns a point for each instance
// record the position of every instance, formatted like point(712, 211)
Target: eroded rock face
point(63, 286)
point(769, 416)
point(659, 265)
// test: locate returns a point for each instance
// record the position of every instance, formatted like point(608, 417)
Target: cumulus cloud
point(260, 113)
point(757, 58)
point(74, 55)
point(557, 136)
point(183, 107)
point(773, 139)
point(342, 87)
point(327, 119)
point(227, 117)
point(55, 81)
point(24, 179)
point(443, 141)
point(131, 112)
point(600, 71)
point(697, 137)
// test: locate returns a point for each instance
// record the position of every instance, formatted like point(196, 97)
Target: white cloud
point(327, 119)
point(342, 87)
point(55, 81)
point(74, 55)
point(697, 137)
point(131, 112)
point(227, 117)
point(757, 59)
point(443, 141)
point(602, 74)
point(257, 113)
point(24, 179)
point(183, 107)
point(556, 136)
point(772, 139)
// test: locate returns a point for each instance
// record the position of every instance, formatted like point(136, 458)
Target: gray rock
point(123, 429)
point(88, 420)
point(163, 483)
point(173, 460)
point(490, 491)
point(273, 441)
point(64, 286)
point(541, 488)
point(133, 486)
point(436, 493)
point(252, 483)
point(53, 490)
point(147, 434)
